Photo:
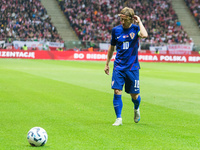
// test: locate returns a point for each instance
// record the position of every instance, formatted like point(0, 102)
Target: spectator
point(92, 20)
point(25, 48)
point(194, 6)
point(26, 20)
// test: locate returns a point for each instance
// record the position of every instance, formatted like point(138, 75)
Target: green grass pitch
point(72, 101)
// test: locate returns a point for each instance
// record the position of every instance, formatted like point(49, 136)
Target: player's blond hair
point(128, 12)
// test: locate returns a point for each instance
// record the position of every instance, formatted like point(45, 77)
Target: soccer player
point(126, 66)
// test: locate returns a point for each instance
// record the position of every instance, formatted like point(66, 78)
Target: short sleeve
point(113, 40)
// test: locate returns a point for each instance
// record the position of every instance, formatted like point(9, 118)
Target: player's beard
point(126, 26)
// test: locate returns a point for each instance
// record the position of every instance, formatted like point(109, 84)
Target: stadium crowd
point(93, 19)
point(26, 20)
point(194, 6)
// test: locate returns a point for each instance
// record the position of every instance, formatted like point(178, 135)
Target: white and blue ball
point(37, 136)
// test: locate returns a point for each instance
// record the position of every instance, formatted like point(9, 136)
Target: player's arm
point(109, 56)
point(143, 32)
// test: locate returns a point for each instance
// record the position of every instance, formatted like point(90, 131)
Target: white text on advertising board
point(17, 54)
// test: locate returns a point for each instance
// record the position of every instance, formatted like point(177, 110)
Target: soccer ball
point(37, 136)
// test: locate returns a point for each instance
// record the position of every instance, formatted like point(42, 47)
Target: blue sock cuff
point(117, 97)
point(138, 99)
point(136, 102)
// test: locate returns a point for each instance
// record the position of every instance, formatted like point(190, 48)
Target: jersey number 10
point(125, 45)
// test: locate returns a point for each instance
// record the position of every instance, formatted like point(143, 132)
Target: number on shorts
point(137, 84)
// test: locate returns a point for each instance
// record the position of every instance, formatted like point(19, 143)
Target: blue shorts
point(129, 78)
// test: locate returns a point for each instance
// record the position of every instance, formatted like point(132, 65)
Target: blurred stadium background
point(72, 100)
point(85, 25)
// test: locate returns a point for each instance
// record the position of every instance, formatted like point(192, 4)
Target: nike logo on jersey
point(118, 37)
point(136, 89)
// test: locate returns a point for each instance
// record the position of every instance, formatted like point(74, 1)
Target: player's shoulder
point(119, 27)
point(134, 26)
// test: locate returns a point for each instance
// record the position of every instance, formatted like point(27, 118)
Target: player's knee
point(134, 96)
point(117, 92)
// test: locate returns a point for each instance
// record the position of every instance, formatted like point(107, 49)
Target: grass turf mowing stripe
point(78, 117)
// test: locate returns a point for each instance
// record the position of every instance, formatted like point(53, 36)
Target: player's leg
point(117, 103)
point(132, 87)
point(117, 85)
point(136, 100)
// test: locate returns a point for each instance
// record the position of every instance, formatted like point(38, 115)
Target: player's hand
point(106, 69)
point(136, 19)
